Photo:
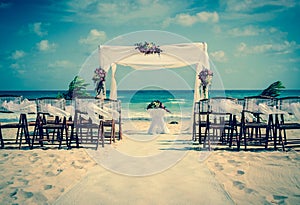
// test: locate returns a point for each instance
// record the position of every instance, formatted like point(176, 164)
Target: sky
point(251, 43)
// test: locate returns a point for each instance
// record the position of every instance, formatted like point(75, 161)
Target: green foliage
point(77, 88)
point(273, 90)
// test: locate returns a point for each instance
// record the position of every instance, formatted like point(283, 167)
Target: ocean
point(134, 103)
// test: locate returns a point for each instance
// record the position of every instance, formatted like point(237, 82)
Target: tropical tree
point(273, 90)
point(77, 88)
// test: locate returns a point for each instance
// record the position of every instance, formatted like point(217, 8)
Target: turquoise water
point(134, 103)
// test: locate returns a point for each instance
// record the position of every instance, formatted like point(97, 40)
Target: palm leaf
point(77, 87)
point(273, 90)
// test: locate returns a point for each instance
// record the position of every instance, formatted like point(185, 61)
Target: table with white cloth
point(158, 125)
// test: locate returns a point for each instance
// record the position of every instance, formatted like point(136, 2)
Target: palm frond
point(273, 90)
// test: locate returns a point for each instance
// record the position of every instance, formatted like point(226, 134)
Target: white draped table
point(158, 125)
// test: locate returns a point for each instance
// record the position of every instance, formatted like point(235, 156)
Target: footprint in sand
point(35, 154)
point(4, 158)
point(277, 199)
point(3, 185)
point(13, 194)
point(242, 186)
point(84, 161)
point(76, 165)
point(25, 182)
point(239, 185)
point(240, 172)
point(219, 166)
point(33, 158)
point(49, 174)
point(52, 174)
point(231, 161)
point(249, 191)
point(5, 155)
point(26, 194)
point(51, 155)
point(48, 186)
point(38, 197)
point(20, 172)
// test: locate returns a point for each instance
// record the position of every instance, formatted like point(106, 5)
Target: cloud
point(19, 69)
point(283, 48)
point(94, 37)
point(188, 20)
point(246, 31)
point(218, 56)
point(37, 29)
point(250, 6)
point(114, 12)
point(61, 64)
point(249, 11)
point(44, 45)
point(18, 54)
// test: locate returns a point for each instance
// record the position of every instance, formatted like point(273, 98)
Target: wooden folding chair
point(115, 108)
point(94, 121)
point(50, 130)
point(224, 112)
point(288, 119)
point(10, 106)
point(257, 125)
point(86, 131)
point(200, 120)
point(51, 124)
point(22, 129)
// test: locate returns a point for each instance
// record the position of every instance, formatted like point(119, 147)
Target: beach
point(149, 169)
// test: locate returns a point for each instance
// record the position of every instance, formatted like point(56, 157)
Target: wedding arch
point(171, 56)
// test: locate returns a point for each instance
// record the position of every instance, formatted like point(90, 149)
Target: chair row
point(86, 123)
point(251, 121)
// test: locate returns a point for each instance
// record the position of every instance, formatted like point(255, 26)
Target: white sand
point(144, 169)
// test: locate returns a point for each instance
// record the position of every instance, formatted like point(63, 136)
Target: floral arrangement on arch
point(205, 76)
point(156, 104)
point(99, 79)
point(148, 48)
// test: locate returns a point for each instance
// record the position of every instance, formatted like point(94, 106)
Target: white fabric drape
point(158, 125)
point(113, 86)
point(197, 96)
point(172, 56)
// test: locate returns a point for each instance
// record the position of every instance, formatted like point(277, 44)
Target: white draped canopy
point(172, 56)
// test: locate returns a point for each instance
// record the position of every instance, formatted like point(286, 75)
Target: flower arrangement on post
point(156, 104)
point(148, 48)
point(99, 79)
point(205, 77)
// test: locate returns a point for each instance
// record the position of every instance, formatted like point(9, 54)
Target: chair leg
point(238, 139)
point(199, 134)
point(77, 140)
point(1, 138)
point(284, 136)
point(281, 140)
point(113, 131)
point(35, 134)
point(268, 130)
point(65, 129)
point(21, 136)
point(245, 139)
point(100, 134)
point(60, 134)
